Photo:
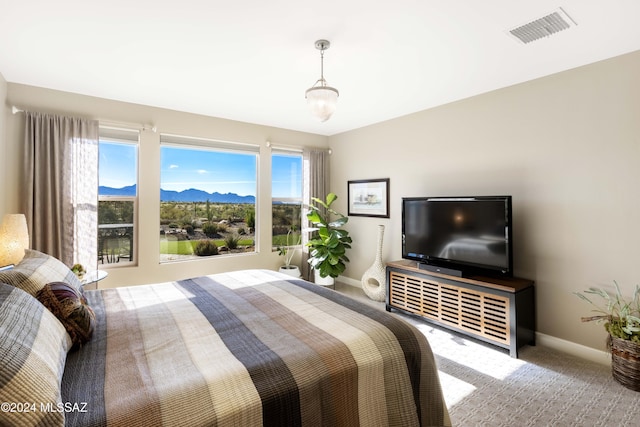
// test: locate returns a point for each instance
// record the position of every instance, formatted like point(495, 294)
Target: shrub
point(188, 228)
point(210, 229)
point(205, 248)
point(280, 230)
point(232, 241)
point(222, 227)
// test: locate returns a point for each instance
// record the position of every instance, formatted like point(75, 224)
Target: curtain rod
point(108, 123)
point(120, 125)
point(294, 147)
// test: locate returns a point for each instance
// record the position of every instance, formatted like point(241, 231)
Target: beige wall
point(567, 147)
point(4, 181)
point(149, 270)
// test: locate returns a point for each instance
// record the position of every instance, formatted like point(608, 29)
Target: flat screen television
point(459, 235)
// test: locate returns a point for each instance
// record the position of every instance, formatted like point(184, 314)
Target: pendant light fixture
point(321, 98)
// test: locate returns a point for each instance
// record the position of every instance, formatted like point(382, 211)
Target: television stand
point(442, 270)
point(496, 310)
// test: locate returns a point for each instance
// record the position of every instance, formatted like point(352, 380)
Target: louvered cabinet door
point(493, 312)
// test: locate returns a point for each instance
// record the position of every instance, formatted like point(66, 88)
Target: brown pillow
point(70, 307)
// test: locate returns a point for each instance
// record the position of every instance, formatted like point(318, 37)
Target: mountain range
point(190, 195)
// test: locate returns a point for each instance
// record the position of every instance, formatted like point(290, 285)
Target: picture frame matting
point(368, 197)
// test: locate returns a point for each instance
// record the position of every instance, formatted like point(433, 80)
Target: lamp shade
point(14, 239)
point(322, 101)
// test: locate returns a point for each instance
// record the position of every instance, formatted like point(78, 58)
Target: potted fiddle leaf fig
point(329, 242)
point(621, 318)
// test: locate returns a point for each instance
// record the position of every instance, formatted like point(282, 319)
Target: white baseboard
point(348, 281)
point(578, 350)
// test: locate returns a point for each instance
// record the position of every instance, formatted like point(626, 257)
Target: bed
point(244, 348)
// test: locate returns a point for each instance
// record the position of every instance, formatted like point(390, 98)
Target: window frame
point(212, 145)
point(131, 137)
point(288, 200)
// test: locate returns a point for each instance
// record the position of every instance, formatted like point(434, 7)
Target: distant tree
point(207, 211)
point(107, 213)
point(250, 219)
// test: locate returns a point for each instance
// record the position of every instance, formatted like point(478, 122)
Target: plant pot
point(625, 362)
point(322, 281)
point(291, 270)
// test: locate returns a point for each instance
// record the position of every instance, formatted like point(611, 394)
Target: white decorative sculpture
point(374, 279)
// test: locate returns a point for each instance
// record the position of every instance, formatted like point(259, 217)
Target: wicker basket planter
point(625, 362)
point(621, 318)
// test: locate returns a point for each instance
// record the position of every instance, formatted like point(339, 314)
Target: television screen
point(468, 233)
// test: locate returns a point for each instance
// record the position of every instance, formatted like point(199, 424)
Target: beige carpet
point(483, 386)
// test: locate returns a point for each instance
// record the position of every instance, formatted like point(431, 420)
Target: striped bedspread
point(249, 348)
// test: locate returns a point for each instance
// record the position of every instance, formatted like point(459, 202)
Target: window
point(286, 187)
point(207, 198)
point(117, 196)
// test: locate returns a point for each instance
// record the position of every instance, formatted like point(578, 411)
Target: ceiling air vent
point(543, 27)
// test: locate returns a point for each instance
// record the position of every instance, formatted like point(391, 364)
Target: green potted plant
point(288, 251)
point(621, 320)
point(78, 270)
point(328, 243)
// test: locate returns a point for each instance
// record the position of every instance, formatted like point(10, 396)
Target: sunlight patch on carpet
point(481, 358)
point(454, 389)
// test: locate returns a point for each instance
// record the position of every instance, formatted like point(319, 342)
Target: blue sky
point(286, 176)
point(210, 171)
point(117, 165)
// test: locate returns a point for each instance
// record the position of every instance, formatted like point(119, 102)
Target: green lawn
point(185, 247)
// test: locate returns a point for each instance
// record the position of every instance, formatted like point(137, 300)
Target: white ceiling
point(252, 60)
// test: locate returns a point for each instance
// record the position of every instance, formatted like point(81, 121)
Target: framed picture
point(369, 197)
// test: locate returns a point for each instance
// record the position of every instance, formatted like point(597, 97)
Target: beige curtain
point(315, 171)
point(61, 186)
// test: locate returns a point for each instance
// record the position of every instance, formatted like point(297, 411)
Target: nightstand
point(91, 279)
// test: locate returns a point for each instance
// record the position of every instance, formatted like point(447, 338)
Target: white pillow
point(33, 350)
point(36, 270)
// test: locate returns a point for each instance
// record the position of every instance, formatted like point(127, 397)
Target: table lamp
point(14, 239)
